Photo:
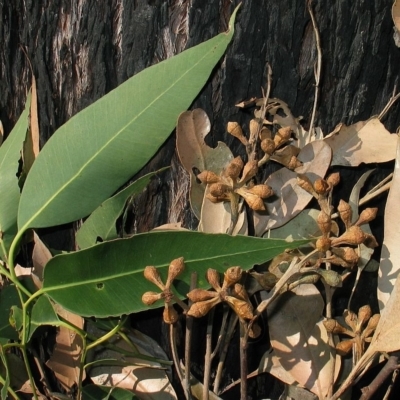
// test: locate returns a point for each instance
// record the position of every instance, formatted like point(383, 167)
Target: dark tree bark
point(82, 49)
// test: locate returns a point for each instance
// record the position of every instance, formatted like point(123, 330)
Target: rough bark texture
point(82, 49)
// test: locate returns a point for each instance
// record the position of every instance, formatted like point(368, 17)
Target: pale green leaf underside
point(10, 153)
point(101, 147)
point(102, 222)
point(107, 279)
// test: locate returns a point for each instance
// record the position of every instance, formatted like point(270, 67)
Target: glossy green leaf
point(102, 222)
point(10, 153)
point(42, 314)
point(107, 279)
point(100, 148)
point(95, 392)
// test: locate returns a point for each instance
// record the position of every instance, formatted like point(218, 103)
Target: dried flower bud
point(231, 276)
point(254, 201)
point(366, 216)
point(212, 277)
point(345, 213)
point(202, 308)
point(333, 179)
point(208, 177)
point(353, 236)
point(370, 241)
point(282, 136)
point(249, 170)
point(348, 254)
point(254, 127)
point(218, 189)
point(240, 292)
point(152, 275)
point(234, 168)
point(268, 146)
point(323, 244)
point(364, 314)
point(344, 347)
point(263, 191)
point(304, 182)
point(332, 326)
point(351, 319)
point(176, 267)
point(332, 278)
point(324, 222)
point(242, 308)
point(235, 130)
point(170, 315)
point(196, 295)
point(150, 298)
point(294, 163)
point(265, 133)
point(372, 324)
point(321, 186)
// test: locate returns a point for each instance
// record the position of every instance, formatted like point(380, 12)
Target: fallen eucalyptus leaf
point(363, 142)
point(290, 199)
point(192, 128)
point(390, 255)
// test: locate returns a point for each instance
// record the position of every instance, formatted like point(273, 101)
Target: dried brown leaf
point(290, 199)
point(146, 379)
point(40, 256)
point(65, 359)
point(192, 128)
point(390, 255)
point(363, 142)
point(300, 340)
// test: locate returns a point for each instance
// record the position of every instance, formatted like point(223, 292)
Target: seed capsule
point(353, 236)
point(347, 254)
point(333, 179)
point(321, 187)
point(170, 315)
point(344, 347)
point(208, 177)
point(268, 146)
point(366, 216)
point(364, 314)
point(212, 277)
point(202, 308)
point(324, 222)
point(282, 136)
point(150, 298)
point(176, 267)
point(332, 326)
point(254, 127)
point(231, 276)
point(263, 191)
point(235, 130)
point(304, 182)
point(254, 201)
point(345, 213)
point(197, 295)
point(234, 168)
point(323, 244)
point(351, 319)
point(152, 275)
point(372, 324)
point(218, 189)
point(265, 133)
point(241, 307)
point(249, 170)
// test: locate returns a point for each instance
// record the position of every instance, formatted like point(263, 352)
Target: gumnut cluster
point(234, 182)
point(344, 248)
point(151, 273)
point(231, 292)
point(360, 328)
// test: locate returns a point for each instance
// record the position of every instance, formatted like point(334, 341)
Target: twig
point(317, 67)
point(188, 340)
point(207, 357)
point(391, 365)
point(390, 387)
point(221, 333)
point(243, 360)
point(391, 101)
point(175, 357)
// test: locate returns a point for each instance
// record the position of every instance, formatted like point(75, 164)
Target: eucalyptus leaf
point(10, 153)
point(101, 147)
point(107, 279)
point(102, 222)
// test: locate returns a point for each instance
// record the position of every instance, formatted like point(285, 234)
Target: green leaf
point(100, 148)
point(95, 392)
point(101, 222)
point(42, 314)
point(8, 298)
point(10, 153)
point(107, 279)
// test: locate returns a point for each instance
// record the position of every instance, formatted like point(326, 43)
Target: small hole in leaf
point(100, 286)
point(196, 171)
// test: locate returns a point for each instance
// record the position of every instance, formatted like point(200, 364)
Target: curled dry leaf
point(194, 154)
point(290, 199)
point(40, 256)
point(299, 339)
point(146, 379)
point(65, 359)
point(363, 142)
point(390, 255)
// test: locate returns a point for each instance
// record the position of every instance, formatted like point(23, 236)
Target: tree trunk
point(82, 49)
